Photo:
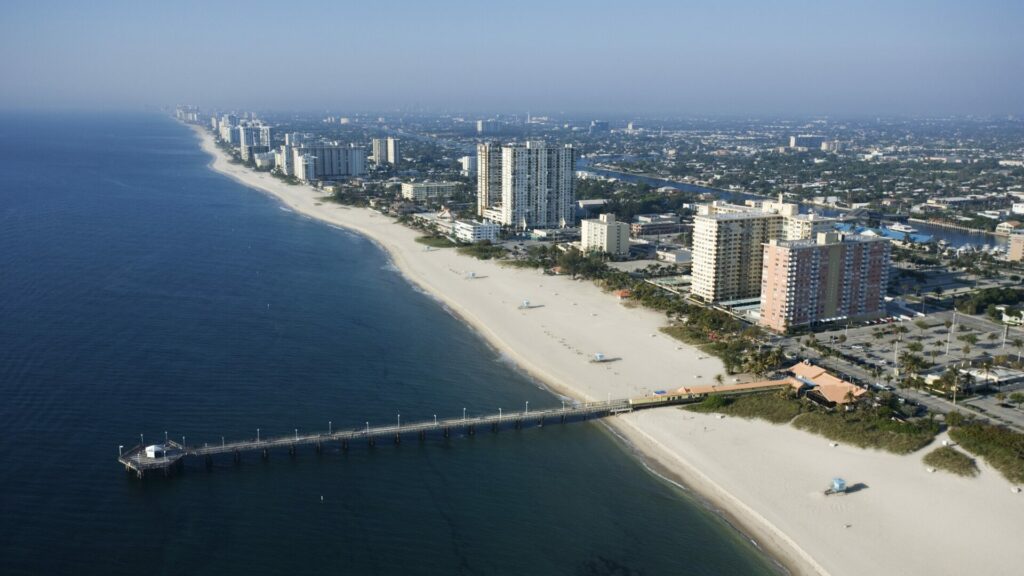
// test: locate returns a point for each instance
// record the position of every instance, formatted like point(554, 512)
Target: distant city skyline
point(786, 58)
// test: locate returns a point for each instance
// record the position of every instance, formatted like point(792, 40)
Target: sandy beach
point(767, 479)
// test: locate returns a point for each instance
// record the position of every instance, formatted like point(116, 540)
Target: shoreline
point(789, 558)
point(774, 502)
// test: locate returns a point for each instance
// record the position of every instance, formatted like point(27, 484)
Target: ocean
point(143, 295)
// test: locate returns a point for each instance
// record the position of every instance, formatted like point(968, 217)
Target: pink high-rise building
point(830, 278)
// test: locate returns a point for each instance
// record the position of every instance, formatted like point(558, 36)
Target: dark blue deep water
point(142, 293)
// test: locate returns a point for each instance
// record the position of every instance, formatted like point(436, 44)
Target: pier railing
point(135, 458)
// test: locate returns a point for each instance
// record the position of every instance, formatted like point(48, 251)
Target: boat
point(902, 228)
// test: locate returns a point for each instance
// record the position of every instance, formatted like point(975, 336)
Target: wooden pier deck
point(136, 460)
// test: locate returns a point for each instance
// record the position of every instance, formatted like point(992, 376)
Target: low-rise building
point(264, 160)
point(1008, 227)
point(825, 388)
point(422, 191)
point(473, 232)
point(605, 235)
point(679, 256)
point(655, 224)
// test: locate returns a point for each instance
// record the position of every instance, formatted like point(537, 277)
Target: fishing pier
point(168, 456)
point(164, 458)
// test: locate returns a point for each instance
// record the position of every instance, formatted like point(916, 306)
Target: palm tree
point(911, 364)
point(1018, 343)
point(986, 365)
point(921, 325)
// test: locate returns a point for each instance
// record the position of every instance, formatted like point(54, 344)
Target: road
point(877, 346)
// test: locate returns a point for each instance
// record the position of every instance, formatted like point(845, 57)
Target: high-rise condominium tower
point(537, 185)
point(488, 177)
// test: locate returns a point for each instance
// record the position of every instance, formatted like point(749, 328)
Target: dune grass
point(869, 429)
point(1003, 449)
point(436, 241)
point(951, 460)
point(771, 406)
point(482, 250)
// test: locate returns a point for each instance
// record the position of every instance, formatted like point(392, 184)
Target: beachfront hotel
point(536, 185)
point(829, 278)
point(605, 235)
point(728, 241)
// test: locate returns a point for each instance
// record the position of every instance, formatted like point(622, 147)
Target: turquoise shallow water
point(141, 293)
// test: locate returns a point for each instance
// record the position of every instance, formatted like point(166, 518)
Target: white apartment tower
point(332, 161)
point(488, 177)
point(468, 166)
point(253, 138)
point(379, 148)
point(283, 160)
point(305, 166)
point(537, 186)
point(394, 152)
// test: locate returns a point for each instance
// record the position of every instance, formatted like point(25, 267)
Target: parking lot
point(875, 347)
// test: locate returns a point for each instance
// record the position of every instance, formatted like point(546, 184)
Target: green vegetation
point(436, 241)
point(870, 428)
point(775, 407)
point(1002, 448)
point(286, 179)
point(949, 459)
point(350, 197)
point(482, 250)
point(867, 427)
point(981, 300)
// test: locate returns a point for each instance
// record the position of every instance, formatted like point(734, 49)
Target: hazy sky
point(631, 56)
